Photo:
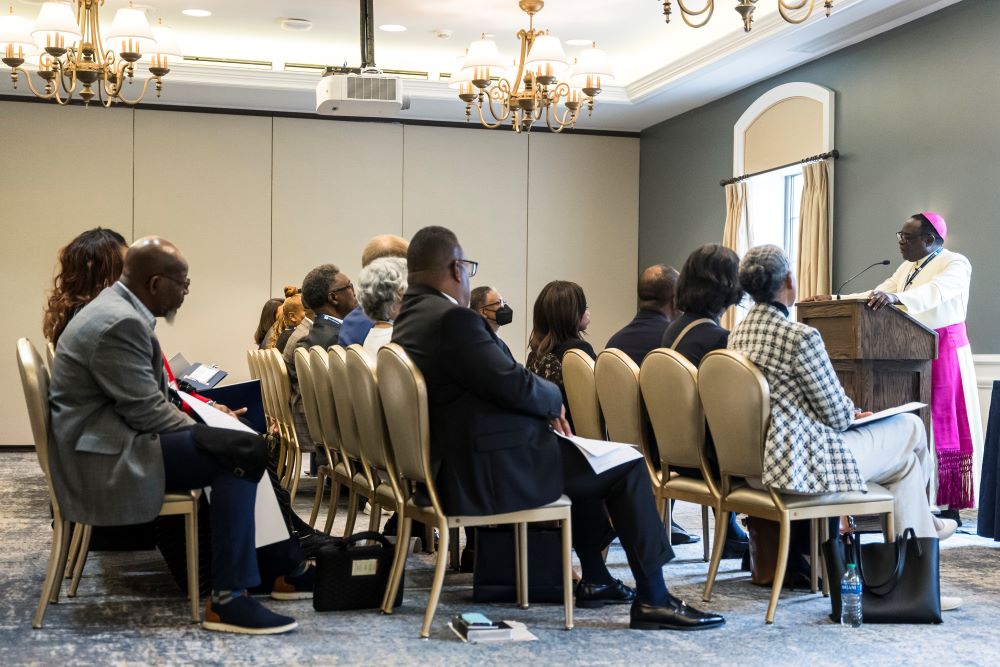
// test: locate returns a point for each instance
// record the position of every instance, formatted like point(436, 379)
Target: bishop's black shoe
point(589, 596)
point(675, 615)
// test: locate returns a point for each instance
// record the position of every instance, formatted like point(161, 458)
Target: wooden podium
point(883, 358)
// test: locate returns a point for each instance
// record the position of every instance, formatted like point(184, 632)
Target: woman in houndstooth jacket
point(811, 446)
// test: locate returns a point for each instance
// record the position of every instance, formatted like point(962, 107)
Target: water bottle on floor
point(850, 597)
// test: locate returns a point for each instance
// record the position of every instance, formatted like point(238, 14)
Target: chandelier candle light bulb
point(532, 87)
point(76, 60)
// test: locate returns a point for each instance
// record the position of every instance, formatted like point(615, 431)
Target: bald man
point(655, 293)
point(120, 443)
point(357, 325)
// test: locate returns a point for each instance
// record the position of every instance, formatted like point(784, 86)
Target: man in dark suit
point(120, 443)
point(493, 448)
point(637, 338)
point(330, 295)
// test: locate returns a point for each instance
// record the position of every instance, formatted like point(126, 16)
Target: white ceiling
point(661, 69)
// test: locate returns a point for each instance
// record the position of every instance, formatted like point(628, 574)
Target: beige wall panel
point(787, 132)
point(47, 202)
point(335, 186)
point(583, 223)
point(203, 181)
point(474, 183)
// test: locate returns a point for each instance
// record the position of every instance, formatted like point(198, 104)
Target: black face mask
point(504, 315)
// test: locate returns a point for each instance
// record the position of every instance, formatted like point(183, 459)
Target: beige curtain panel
point(814, 264)
point(736, 222)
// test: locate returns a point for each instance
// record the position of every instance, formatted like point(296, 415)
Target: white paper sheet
point(882, 414)
point(269, 525)
point(203, 374)
point(603, 455)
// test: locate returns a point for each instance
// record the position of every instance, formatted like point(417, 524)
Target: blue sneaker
point(244, 615)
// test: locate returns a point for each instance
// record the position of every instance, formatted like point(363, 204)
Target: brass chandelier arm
point(145, 86)
point(31, 86)
point(784, 10)
point(64, 74)
point(685, 13)
point(482, 118)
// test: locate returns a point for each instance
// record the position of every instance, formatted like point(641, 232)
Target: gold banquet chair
point(336, 468)
point(737, 403)
point(289, 467)
point(254, 363)
point(35, 382)
point(375, 439)
point(404, 401)
point(625, 416)
point(362, 482)
point(669, 385)
point(581, 394)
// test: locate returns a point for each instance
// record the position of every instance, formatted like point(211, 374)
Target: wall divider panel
point(583, 199)
point(203, 181)
point(475, 184)
point(65, 170)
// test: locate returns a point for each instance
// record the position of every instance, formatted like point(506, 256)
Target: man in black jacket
point(493, 448)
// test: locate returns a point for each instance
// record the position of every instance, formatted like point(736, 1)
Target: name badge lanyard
point(913, 274)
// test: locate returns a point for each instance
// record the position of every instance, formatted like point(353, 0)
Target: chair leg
point(779, 568)
point(455, 552)
point(440, 565)
point(352, 511)
point(824, 530)
point(296, 475)
point(191, 541)
point(721, 527)
point(74, 549)
point(814, 555)
point(54, 572)
point(522, 555)
point(704, 530)
point(517, 565)
point(567, 555)
point(331, 513)
point(374, 519)
point(63, 555)
point(83, 550)
point(317, 498)
point(428, 539)
point(398, 561)
point(890, 522)
point(667, 515)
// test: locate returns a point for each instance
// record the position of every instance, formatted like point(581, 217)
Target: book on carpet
point(475, 628)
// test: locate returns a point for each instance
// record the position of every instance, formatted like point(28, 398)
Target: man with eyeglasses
point(932, 285)
point(494, 448)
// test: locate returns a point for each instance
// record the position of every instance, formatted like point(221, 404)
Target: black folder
point(242, 395)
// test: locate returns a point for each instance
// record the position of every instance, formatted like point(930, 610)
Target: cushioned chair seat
point(793, 501)
point(688, 485)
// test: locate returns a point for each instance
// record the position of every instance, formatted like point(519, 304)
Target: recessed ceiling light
point(296, 25)
point(197, 13)
point(392, 27)
point(579, 42)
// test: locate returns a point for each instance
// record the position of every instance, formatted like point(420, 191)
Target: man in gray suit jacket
point(119, 443)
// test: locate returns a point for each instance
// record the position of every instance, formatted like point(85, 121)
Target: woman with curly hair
point(91, 262)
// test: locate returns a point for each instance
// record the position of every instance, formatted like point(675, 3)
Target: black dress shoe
point(734, 549)
point(590, 595)
point(468, 561)
point(680, 536)
point(675, 615)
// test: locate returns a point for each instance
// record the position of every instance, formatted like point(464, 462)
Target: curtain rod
point(834, 154)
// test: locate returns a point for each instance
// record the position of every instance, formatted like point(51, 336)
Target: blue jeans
point(234, 558)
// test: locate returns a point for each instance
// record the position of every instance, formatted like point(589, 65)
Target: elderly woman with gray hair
point(811, 445)
point(381, 286)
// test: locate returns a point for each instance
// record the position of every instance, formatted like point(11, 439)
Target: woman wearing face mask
point(488, 302)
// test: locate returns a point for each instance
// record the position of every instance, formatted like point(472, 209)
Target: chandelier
point(73, 59)
point(745, 8)
point(530, 87)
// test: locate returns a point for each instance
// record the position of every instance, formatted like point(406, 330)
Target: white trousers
point(893, 452)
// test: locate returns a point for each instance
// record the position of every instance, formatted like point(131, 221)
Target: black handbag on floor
point(493, 580)
point(899, 580)
point(354, 577)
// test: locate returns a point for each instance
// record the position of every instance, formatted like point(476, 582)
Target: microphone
point(884, 262)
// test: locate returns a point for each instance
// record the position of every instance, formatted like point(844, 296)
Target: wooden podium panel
point(882, 358)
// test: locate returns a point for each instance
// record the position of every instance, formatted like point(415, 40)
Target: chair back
point(50, 354)
point(617, 380)
point(307, 389)
point(737, 404)
point(35, 383)
point(581, 394)
point(403, 392)
point(669, 385)
point(368, 408)
point(342, 400)
point(319, 366)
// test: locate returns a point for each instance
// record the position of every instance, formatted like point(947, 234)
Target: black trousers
point(625, 494)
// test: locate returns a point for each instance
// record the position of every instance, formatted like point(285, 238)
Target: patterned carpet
point(129, 612)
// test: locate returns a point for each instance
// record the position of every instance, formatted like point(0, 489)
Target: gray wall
point(916, 126)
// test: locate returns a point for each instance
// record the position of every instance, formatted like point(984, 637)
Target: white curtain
point(814, 264)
